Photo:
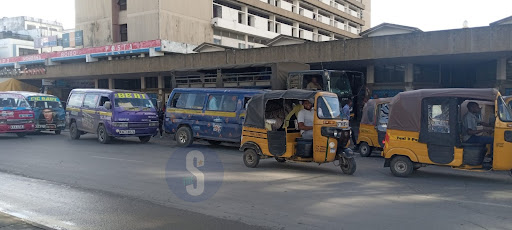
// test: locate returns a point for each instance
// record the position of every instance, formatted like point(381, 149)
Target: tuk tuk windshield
point(328, 107)
point(339, 84)
point(13, 101)
point(504, 110)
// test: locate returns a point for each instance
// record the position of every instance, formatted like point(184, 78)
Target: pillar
point(315, 35)
point(370, 74)
point(409, 77)
point(161, 86)
point(272, 23)
point(143, 83)
point(96, 83)
point(219, 81)
point(295, 29)
point(245, 14)
point(501, 73)
point(296, 6)
point(111, 83)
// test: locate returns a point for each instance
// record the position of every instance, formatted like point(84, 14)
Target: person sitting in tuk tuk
point(305, 119)
point(470, 122)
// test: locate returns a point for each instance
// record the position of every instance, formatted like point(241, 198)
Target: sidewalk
point(8, 222)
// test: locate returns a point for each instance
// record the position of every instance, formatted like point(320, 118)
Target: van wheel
point(103, 136)
point(401, 166)
point(21, 134)
point(365, 150)
point(57, 132)
point(145, 139)
point(184, 137)
point(251, 158)
point(348, 165)
point(73, 131)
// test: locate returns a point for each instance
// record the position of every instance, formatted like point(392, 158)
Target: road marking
point(118, 159)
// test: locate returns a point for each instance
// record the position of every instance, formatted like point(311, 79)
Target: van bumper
point(126, 132)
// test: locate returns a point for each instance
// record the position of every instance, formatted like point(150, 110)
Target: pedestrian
point(161, 116)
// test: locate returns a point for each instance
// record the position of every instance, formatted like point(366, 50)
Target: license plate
point(343, 124)
point(17, 127)
point(126, 131)
point(51, 126)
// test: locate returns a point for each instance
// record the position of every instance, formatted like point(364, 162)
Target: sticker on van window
point(131, 95)
point(43, 99)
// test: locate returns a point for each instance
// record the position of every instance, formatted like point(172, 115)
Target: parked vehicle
point(16, 116)
point(215, 115)
point(426, 128)
point(267, 132)
point(111, 113)
point(48, 111)
point(372, 128)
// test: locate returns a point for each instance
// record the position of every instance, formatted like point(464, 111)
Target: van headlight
point(153, 123)
point(120, 124)
point(2, 122)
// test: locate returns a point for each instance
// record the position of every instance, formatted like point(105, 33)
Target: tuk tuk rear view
point(467, 129)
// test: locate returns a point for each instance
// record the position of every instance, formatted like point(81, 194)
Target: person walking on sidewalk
point(161, 117)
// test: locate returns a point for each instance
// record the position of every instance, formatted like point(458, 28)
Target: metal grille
point(138, 125)
point(20, 121)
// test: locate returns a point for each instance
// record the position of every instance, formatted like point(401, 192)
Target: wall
point(186, 21)
point(388, 31)
point(12, 24)
point(367, 15)
point(142, 20)
point(9, 47)
point(94, 17)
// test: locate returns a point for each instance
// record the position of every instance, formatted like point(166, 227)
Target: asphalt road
point(82, 184)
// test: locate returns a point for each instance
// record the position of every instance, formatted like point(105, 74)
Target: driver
point(470, 122)
point(305, 119)
point(314, 84)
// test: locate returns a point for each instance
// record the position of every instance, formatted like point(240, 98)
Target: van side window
point(188, 101)
point(76, 100)
point(103, 99)
point(246, 100)
point(225, 103)
point(90, 100)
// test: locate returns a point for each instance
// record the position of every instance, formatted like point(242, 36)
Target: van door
point(439, 122)
point(73, 109)
point(89, 115)
point(502, 159)
point(221, 115)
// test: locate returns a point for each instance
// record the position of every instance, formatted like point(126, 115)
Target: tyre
point(365, 150)
point(145, 139)
point(73, 131)
point(280, 160)
point(348, 165)
point(251, 158)
point(21, 134)
point(184, 137)
point(214, 142)
point(401, 166)
point(57, 132)
point(103, 136)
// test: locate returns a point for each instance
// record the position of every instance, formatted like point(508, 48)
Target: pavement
point(64, 184)
point(8, 222)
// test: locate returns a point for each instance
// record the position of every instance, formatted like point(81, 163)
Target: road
point(82, 184)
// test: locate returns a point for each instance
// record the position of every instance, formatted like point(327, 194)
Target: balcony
point(229, 19)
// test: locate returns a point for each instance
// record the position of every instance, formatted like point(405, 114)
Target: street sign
point(48, 82)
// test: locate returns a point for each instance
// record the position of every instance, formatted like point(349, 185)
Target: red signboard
point(119, 47)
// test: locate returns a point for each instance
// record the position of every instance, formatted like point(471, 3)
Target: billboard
point(73, 39)
point(45, 42)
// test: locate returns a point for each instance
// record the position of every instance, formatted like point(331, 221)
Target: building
point(34, 27)
point(232, 23)
point(12, 45)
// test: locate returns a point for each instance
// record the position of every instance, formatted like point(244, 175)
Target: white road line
point(118, 159)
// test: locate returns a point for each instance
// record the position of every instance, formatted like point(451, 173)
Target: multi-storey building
point(34, 27)
point(234, 23)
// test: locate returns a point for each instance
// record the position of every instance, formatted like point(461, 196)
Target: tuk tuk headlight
point(120, 124)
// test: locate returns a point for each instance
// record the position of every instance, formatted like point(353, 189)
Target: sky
point(426, 15)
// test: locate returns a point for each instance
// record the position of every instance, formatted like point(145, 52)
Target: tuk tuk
point(372, 128)
point(426, 128)
point(271, 130)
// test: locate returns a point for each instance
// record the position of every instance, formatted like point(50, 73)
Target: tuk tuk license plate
point(126, 131)
point(342, 124)
point(17, 127)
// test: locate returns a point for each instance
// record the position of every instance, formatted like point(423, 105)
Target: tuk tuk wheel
point(73, 131)
point(145, 139)
point(251, 158)
point(21, 134)
point(57, 132)
point(348, 165)
point(401, 166)
point(103, 136)
point(184, 137)
point(280, 160)
point(365, 150)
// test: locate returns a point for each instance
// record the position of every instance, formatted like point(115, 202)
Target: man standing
point(305, 119)
point(470, 122)
point(346, 115)
point(314, 84)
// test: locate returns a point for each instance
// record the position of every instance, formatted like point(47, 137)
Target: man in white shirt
point(305, 119)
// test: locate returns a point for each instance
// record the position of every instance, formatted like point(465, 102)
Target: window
point(217, 11)
point(246, 101)
point(389, 73)
point(439, 118)
point(250, 46)
point(151, 82)
point(76, 100)
point(43, 28)
point(103, 83)
point(122, 5)
point(241, 45)
point(31, 27)
point(188, 101)
point(251, 20)
point(328, 107)
point(47, 104)
point(217, 41)
point(504, 110)
point(103, 99)
point(240, 18)
point(225, 103)
point(124, 32)
point(23, 52)
point(90, 100)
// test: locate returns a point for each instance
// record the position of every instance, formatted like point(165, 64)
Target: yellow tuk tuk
point(426, 128)
point(268, 134)
point(372, 128)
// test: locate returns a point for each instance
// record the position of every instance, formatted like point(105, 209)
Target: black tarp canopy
point(256, 108)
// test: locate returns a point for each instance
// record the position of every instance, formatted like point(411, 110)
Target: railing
point(196, 81)
point(247, 80)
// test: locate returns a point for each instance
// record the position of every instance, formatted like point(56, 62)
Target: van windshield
point(340, 84)
point(44, 102)
point(328, 107)
point(130, 103)
point(504, 110)
point(12, 101)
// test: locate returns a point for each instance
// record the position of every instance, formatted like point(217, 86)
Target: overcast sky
point(425, 14)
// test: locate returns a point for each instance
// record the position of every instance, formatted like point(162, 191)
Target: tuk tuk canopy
point(406, 107)
point(16, 85)
point(256, 108)
point(369, 117)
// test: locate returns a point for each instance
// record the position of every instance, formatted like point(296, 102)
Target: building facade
point(34, 27)
point(233, 23)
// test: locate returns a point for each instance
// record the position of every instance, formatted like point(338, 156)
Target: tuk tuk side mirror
point(107, 105)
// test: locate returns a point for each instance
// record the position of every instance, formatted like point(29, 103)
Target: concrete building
point(34, 27)
point(12, 45)
point(232, 23)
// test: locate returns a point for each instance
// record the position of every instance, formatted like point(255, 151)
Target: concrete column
point(296, 6)
point(173, 81)
point(315, 12)
point(347, 26)
point(409, 76)
point(332, 20)
point(272, 20)
point(96, 83)
point(501, 71)
point(161, 84)
point(245, 14)
point(315, 35)
point(142, 83)
point(111, 83)
point(296, 29)
point(220, 83)
point(370, 74)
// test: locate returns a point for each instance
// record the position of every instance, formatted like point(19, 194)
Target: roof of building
point(285, 38)
point(507, 20)
point(382, 26)
point(216, 47)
